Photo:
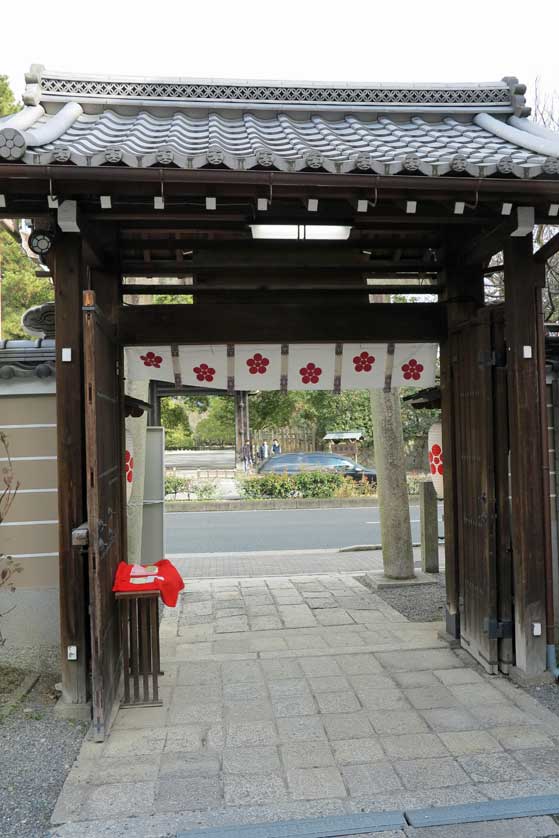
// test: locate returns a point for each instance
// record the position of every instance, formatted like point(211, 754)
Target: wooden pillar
point(67, 269)
point(429, 522)
point(463, 295)
point(524, 280)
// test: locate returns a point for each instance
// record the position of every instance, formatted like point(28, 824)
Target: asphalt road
point(222, 459)
point(281, 529)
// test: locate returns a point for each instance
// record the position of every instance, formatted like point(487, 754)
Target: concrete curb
point(281, 503)
point(18, 694)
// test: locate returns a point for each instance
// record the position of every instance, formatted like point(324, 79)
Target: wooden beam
point(281, 323)
point(264, 295)
point(547, 250)
point(523, 282)
point(463, 295)
point(67, 269)
point(481, 248)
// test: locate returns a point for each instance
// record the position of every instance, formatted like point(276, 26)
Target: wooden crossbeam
point(255, 296)
point(547, 250)
point(281, 323)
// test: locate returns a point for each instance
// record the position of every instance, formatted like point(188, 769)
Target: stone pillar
point(429, 522)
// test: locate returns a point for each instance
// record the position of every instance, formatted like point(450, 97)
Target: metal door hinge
point(497, 629)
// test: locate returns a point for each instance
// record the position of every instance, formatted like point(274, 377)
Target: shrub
point(413, 480)
point(355, 489)
point(306, 484)
point(175, 484)
point(205, 491)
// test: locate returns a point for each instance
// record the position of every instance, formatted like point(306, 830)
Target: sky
point(352, 40)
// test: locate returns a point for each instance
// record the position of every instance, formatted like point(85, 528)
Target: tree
point(20, 287)
point(8, 103)
point(218, 426)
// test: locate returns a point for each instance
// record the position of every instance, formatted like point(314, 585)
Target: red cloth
point(161, 576)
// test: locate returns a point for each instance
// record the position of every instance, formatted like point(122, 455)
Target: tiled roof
point(477, 129)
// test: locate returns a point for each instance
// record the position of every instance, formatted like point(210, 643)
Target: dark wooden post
point(66, 263)
point(524, 280)
point(464, 295)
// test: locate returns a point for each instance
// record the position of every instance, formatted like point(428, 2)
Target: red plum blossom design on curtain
point(203, 372)
point(436, 459)
point(310, 374)
point(258, 364)
point(363, 362)
point(129, 467)
point(412, 370)
point(150, 359)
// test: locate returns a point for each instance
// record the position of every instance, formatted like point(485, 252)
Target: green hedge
point(307, 484)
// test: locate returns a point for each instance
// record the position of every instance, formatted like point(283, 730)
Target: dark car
point(316, 461)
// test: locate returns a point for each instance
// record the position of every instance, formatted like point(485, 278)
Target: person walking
point(264, 451)
point(276, 447)
point(247, 455)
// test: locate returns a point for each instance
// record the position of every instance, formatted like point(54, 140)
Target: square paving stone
point(369, 779)
point(315, 783)
point(275, 670)
point(133, 743)
point(188, 764)
point(418, 678)
point(305, 641)
point(293, 705)
point(251, 733)
point(428, 698)
point(334, 617)
point(197, 693)
point(338, 702)
point(458, 676)
point(358, 664)
point(140, 717)
point(307, 755)
point(329, 684)
point(114, 770)
point(238, 711)
point(431, 773)
point(419, 659)
point(198, 672)
point(412, 745)
point(383, 699)
point(320, 667)
point(180, 794)
point(296, 616)
point(460, 743)
point(493, 715)
point(126, 799)
point(347, 726)
point(251, 760)
point(518, 738)
point(355, 751)
point(288, 686)
point(477, 694)
point(244, 691)
point(339, 640)
point(450, 718)
point(228, 624)
point(224, 645)
point(543, 762)
point(493, 768)
point(372, 681)
point(265, 624)
point(397, 721)
point(253, 789)
point(298, 728)
point(183, 713)
point(236, 671)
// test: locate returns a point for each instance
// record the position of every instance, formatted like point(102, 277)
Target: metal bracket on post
point(497, 629)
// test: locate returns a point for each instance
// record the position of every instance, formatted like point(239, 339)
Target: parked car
point(316, 461)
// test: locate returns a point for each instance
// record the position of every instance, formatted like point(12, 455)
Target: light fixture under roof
point(40, 241)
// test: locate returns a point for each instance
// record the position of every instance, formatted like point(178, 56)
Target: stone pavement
point(282, 563)
point(309, 696)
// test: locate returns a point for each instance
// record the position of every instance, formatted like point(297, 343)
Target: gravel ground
point(422, 604)
point(36, 752)
point(426, 603)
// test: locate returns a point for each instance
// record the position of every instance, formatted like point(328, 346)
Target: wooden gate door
point(106, 521)
point(481, 455)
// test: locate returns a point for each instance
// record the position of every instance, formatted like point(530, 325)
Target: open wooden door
point(473, 361)
point(104, 419)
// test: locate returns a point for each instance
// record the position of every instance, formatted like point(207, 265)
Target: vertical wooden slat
point(523, 281)
point(154, 647)
point(143, 605)
point(66, 265)
point(125, 628)
point(134, 634)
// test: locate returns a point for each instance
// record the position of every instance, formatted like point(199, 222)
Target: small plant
point(175, 485)
point(355, 489)
point(205, 491)
point(413, 481)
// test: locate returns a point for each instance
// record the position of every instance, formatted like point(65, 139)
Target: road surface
point(193, 460)
point(277, 529)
